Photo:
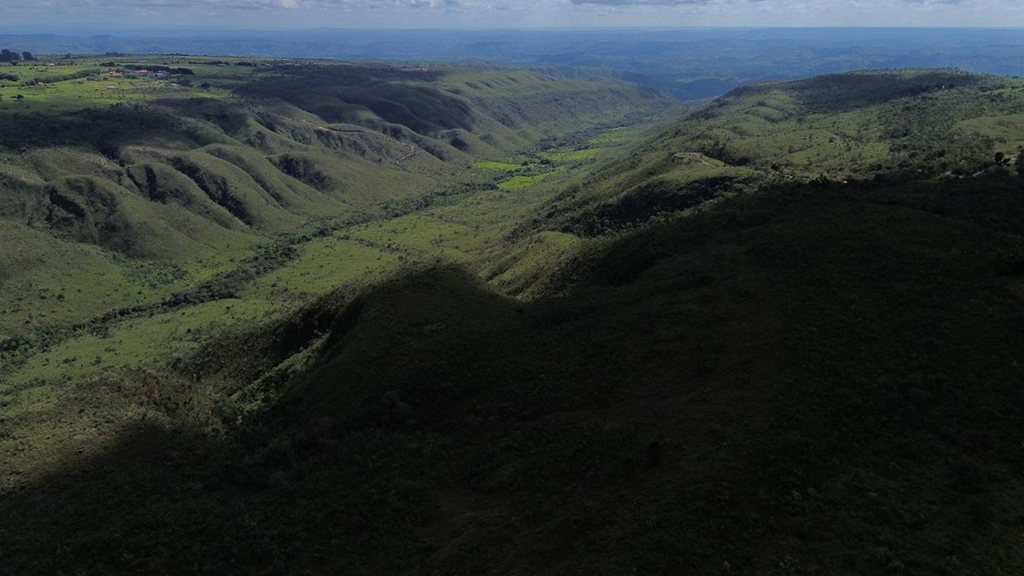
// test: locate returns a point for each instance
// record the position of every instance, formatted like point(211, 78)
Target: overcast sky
point(513, 13)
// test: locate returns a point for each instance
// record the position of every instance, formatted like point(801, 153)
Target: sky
point(271, 14)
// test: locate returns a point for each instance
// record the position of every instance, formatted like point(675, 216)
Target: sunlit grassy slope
point(201, 161)
point(890, 124)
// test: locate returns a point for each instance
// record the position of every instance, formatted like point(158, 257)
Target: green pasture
point(324, 264)
point(497, 166)
point(521, 181)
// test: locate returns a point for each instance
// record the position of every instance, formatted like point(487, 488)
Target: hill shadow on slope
point(342, 93)
point(99, 127)
point(816, 379)
point(833, 93)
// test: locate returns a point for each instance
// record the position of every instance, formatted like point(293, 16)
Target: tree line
point(13, 56)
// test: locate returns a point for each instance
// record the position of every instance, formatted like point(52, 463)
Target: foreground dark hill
point(813, 379)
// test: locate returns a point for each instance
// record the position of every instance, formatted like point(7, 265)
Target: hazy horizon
point(490, 14)
point(32, 29)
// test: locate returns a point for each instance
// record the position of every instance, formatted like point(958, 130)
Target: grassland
point(183, 170)
point(893, 124)
point(183, 157)
point(296, 331)
point(496, 165)
point(62, 86)
point(141, 222)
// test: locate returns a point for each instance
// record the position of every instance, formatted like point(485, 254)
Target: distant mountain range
point(689, 63)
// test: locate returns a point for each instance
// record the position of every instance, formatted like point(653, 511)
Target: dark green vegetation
point(798, 354)
point(14, 57)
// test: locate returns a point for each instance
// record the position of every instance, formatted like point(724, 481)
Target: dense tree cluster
point(7, 55)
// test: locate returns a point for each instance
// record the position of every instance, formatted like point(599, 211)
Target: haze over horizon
point(35, 15)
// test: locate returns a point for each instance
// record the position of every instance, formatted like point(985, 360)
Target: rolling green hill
point(196, 169)
point(863, 125)
point(521, 334)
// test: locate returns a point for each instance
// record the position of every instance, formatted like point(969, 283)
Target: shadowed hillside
point(814, 379)
point(340, 93)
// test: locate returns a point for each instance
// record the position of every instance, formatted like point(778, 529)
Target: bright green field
point(520, 182)
point(101, 89)
point(497, 166)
